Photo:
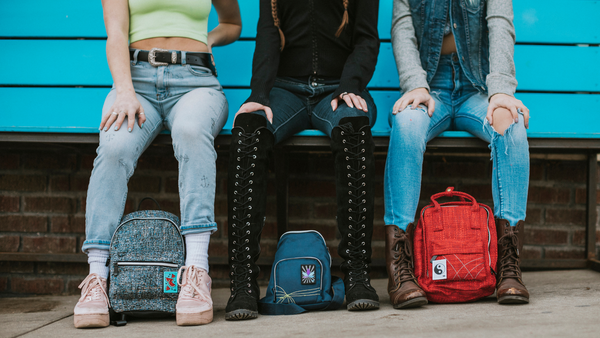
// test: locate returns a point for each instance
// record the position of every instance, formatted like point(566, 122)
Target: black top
point(311, 47)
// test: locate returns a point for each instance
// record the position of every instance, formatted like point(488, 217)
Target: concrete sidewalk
point(563, 304)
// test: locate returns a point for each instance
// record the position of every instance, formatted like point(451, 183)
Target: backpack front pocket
point(457, 263)
point(298, 280)
point(144, 280)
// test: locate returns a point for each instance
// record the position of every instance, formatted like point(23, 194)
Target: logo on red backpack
point(439, 269)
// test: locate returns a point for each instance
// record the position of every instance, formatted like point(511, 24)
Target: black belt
point(162, 57)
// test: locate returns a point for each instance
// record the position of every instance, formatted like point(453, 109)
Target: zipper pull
point(107, 262)
point(493, 272)
point(116, 269)
point(433, 259)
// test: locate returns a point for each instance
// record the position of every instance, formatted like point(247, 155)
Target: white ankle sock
point(197, 249)
point(97, 260)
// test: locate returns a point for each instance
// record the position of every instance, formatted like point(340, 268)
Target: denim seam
point(93, 241)
point(288, 120)
point(470, 117)
point(199, 226)
point(495, 158)
point(324, 120)
point(433, 127)
point(391, 194)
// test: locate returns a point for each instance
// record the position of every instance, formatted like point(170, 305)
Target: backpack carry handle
point(439, 226)
point(451, 193)
point(148, 198)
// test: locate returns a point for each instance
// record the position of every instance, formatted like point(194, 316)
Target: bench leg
point(590, 238)
point(281, 177)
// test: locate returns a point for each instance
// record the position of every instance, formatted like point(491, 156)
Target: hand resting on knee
point(503, 111)
point(414, 98)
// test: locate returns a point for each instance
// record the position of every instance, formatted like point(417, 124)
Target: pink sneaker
point(194, 306)
point(92, 308)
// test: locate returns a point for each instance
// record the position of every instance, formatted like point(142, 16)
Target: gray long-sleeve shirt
point(501, 78)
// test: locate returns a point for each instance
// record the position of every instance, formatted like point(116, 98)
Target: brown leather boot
point(403, 288)
point(510, 288)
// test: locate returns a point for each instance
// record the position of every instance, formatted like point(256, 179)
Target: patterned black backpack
point(146, 252)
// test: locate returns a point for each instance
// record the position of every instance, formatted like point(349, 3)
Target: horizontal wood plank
point(83, 63)
point(78, 110)
point(536, 21)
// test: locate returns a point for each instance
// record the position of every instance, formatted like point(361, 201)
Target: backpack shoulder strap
point(265, 307)
point(337, 284)
point(274, 309)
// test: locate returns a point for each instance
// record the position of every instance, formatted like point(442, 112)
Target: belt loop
point(183, 56)
point(135, 56)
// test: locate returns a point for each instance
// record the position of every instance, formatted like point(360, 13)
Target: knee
point(410, 123)
point(121, 153)
point(501, 119)
point(190, 132)
point(346, 111)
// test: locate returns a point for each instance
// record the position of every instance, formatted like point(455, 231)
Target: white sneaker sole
point(91, 320)
point(198, 318)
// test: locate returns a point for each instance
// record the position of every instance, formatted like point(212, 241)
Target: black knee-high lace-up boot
point(251, 145)
point(352, 145)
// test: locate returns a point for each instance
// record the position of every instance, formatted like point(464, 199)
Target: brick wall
point(43, 189)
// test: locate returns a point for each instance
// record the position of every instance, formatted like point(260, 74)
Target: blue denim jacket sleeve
point(501, 78)
point(406, 52)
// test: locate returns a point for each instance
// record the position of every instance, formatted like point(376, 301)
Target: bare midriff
point(448, 44)
point(174, 43)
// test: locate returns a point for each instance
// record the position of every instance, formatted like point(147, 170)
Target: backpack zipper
point(149, 218)
point(305, 231)
point(165, 264)
point(143, 219)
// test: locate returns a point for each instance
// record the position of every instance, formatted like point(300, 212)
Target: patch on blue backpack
point(308, 274)
point(170, 282)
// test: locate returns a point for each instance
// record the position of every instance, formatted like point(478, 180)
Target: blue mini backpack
point(301, 277)
point(146, 252)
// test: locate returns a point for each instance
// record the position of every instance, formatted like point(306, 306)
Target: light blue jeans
point(187, 100)
point(458, 106)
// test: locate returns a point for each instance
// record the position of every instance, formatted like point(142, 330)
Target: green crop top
point(168, 18)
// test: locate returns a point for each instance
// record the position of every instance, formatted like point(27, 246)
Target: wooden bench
point(58, 97)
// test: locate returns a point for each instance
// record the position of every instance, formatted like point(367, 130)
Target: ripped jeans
point(458, 106)
point(187, 100)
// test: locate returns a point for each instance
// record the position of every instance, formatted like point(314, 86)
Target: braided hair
point(345, 21)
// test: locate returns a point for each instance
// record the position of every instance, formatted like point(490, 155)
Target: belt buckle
point(152, 57)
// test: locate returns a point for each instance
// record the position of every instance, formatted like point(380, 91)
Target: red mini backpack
point(455, 249)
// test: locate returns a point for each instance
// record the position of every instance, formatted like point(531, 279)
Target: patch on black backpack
point(308, 274)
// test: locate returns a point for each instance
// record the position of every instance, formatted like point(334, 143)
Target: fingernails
point(99, 128)
point(129, 130)
point(116, 128)
point(105, 128)
point(142, 126)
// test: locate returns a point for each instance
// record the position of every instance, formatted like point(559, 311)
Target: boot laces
point(509, 263)
point(403, 263)
point(92, 289)
point(191, 278)
point(242, 200)
point(354, 151)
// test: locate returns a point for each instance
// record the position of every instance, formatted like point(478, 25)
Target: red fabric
point(458, 232)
